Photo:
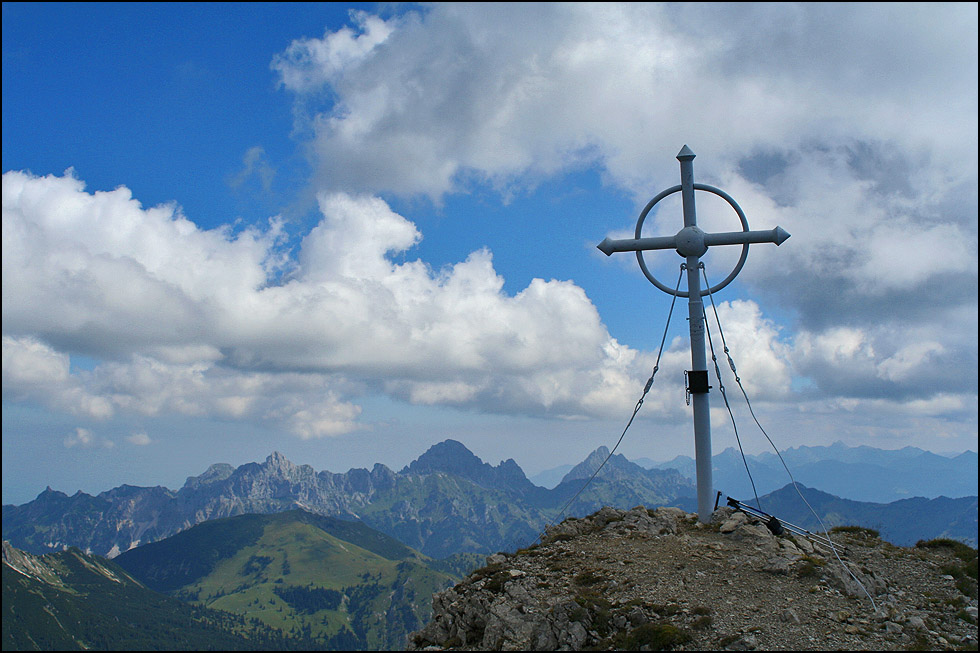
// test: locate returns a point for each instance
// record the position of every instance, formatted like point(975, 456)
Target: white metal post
point(699, 362)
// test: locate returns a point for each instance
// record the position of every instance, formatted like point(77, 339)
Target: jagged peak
point(616, 463)
point(51, 492)
point(277, 460)
point(452, 457)
point(445, 456)
point(214, 472)
point(380, 469)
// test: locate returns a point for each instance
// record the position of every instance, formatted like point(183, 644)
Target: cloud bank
point(853, 127)
point(195, 322)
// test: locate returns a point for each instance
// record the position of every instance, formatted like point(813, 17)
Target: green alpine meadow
point(76, 601)
point(338, 583)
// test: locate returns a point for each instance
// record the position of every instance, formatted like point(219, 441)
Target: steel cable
point(636, 409)
point(731, 364)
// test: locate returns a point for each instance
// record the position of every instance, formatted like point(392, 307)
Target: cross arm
point(776, 235)
point(610, 246)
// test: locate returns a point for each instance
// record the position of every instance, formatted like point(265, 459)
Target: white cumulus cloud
point(218, 334)
point(139, 439)
point(851, 126)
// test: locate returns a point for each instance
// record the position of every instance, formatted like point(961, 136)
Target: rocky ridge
point(446, 502)
point(43, 570)
point(657, 579)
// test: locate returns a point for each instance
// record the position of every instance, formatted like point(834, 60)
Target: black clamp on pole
point(695, 382)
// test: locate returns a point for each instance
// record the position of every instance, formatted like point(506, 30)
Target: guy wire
point(646, 389)
point(731, 364)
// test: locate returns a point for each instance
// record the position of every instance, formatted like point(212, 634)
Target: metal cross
point(692, 243)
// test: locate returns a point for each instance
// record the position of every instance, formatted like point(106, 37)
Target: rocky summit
point(658, 579)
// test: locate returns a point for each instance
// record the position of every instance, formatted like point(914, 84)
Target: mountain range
point(299, 558)
point(446, 502)
point(903, 523)
point(857, 473)
point(449, 502)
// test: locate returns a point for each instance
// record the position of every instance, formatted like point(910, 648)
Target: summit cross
point(692, 243)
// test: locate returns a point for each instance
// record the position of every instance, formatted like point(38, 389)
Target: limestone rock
point(644, 579)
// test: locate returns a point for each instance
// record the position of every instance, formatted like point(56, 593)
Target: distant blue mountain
point(450, 502)
point(550, 478)
point(858, 473)
point(446, 502)
point(901, 522)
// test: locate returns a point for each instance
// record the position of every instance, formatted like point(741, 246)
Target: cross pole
point(692, 243)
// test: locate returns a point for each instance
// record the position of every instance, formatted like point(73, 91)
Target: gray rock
point(733, 522)
point(854, 582)
point(804, 545)
point(917, 622)
point(637, 617)
point(744, 643)
point(789, 548)
point(777, 565)
point(573, 637)
point(753, 532)
point(607, 514)
point(722, 514)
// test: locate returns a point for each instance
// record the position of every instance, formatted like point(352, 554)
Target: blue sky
point(347, 232)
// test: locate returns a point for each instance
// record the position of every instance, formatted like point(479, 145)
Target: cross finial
point(685, 154)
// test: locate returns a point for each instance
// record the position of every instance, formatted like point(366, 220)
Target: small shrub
point(806, 569)
point(960, 550)
point(591, 600)
point(856, 530)
point(485, 572)
point(809, 567)
point(965, 616)
point(578, 614)
point(920, 643)
point(965, 574)
point(726, 640)
point(953, 570)
point(967, 587)
point(658, 637)
point(957, 602)
point(602, 622)
point(587, 578)
point(702, 622)
point(598, 610)
point(667, 609)
point(558, 537)
point(495, 584)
